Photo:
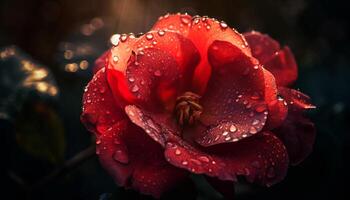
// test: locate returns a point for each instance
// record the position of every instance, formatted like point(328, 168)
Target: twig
point(66, 167)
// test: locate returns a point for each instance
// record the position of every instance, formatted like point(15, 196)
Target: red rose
point(195, 96)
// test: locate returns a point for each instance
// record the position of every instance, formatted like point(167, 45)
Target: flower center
point(187, 109)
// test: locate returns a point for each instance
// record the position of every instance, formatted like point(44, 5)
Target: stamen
point(188, 109)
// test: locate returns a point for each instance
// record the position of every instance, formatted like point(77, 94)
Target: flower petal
point(124, 150)
point(116, 67)
point(181, 49)
point(297, 132)
point(153, 78)
point(184, 58)
point(277, 106)
point(262, 159)
point(100, 111)
point(298, 135)
point(204, 31)
point(280, 62)
point(234, 106)
point(297, 100)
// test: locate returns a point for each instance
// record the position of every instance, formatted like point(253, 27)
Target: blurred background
point(43, 76)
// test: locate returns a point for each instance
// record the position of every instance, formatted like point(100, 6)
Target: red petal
point(100, 110)
point(296, 100)
point(298, 135)
point(262, 158)
point(125, 151)
point(141, 165)
point(180, 48)
point(297, 132)
point(153, 78)
point(276, 105)
point(117, 63)
point(234, 105)
point(204, 31)
point(279, 61)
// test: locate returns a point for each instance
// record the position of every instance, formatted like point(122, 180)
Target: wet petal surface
point(279, 61)
point(234, 106)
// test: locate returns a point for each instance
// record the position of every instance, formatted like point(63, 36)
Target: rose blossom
point(195, 96)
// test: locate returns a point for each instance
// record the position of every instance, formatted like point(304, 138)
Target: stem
point(69, 165)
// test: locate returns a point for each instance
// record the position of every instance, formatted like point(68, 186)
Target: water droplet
point(102, 90)
point(115, 58)
point(185, 19)
point(225, 133)
point(184, 163)
point(228, 138)
point(135, 88)
point(208, 27)
point(149, 36)
point(131, 79)
point(98, 141)
point(115, 39)
point(255, 122)
point(223, 25)
point(252, 130)
point(124, 37)
point(233, 128)
point(161, 32)
point(120, 157)
point(256, 67)
point(177, 152)
point(157, 73)
point(203, 158)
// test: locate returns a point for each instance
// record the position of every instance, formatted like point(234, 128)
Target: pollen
point(188, 109)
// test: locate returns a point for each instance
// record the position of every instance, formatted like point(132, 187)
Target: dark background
point(60, 34)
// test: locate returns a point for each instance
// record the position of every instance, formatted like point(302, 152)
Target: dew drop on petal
point(149, 36)
point(157, 73)
point(185, 19)
point(98, 141)
point(115, 58)
point(203, 158)
point(177, 152)
point(223, 25)
point(161, 32)
point(124, 37)
point(131, 79)
point(252, 130)
point(255, 122)
point(135, 88)
point(233, 128)
point(120, 157)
